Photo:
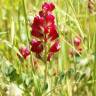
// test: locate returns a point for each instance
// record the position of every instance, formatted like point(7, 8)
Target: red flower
point(41, 14)
point(50, 19)
point(24, 52)
point(36, 46)
point(52, 6)
point(37, 26)
point(53, 33)
point(38, 20)
point(44, 29)
point(77, 41)
point(55, 47)
point(48, 7)
point(37, 32)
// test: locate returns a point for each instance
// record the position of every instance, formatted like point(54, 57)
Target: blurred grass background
point(73, 18)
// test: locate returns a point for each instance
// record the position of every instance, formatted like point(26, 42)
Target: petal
point(53, 33)
point(36, 31)
point(35, 42)
point(41, 13)
point(77, 41)
point(24, 52)
point(50, 56)
point(38, 20)
point(48, 6)
point(55, 47)
point(36, 46)
point(46, 30)
point(50, 18)
point(52, 6)
point(37, 34)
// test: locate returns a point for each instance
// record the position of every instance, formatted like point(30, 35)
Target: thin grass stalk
point(25, 15)
point(94, 67)
point(28, 38)
point(45, 62)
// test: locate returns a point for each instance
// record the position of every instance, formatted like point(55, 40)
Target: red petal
point(53, 33)
point(49, 56)
point(37, 34)
point(55, 47)
point(37, 46)
point(52, 6)
point(41, 13)
point(77, 41)
point(24, 52)
point(48, 6)
point(36, 31)
point(46, 30)
point(50, 18)
point(39, 20)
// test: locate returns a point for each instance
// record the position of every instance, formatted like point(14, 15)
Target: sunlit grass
point(67, 75)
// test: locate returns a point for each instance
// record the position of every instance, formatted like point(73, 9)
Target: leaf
point(11, 46)
point(45, 86)
point(61, 77)
point(1, 33)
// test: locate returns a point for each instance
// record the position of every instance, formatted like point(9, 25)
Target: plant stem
point(94, 68)
point(45, 61)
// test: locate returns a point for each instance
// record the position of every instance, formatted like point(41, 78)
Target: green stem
point(94, 68)
point(45, 61)
point(28, 38)
point(25, 15)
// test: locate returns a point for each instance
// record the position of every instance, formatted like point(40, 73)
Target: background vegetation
point(67, 75)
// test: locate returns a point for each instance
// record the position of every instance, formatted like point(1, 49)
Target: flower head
point(44, 29)
point(48, 7)
point(77, 41)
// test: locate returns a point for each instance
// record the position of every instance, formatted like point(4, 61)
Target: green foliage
point(66, 75)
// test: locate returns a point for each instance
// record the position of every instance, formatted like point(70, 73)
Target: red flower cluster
point(44, 29)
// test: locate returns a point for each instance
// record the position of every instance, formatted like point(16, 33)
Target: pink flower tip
point(55, 47)
point(24, 52)
point(77, 41)
point(48, 7)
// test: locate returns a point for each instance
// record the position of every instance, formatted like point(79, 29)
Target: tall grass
point(65, 75)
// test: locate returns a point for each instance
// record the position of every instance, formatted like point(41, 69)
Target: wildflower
point(55, 47)
point(37, 27)
point(24, 52)
point(77, 41)
point(45, 30)
point(48, 7)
